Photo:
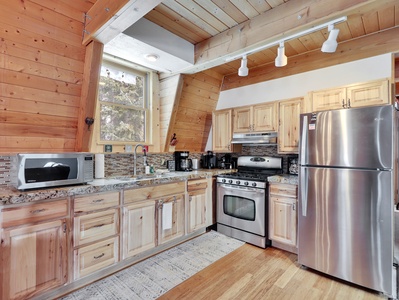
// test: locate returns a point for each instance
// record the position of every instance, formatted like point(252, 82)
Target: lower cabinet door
point(283, 220)
point(138, 228)
point(196, 210)
point(170, 218)
point(33, 259)
point(94, 257)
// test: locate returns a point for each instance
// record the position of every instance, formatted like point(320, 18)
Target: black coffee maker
point(182, 162)
point(208, 161)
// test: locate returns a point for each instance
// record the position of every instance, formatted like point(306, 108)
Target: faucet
point(135, 158)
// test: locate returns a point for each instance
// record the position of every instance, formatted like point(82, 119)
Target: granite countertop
point(11, 195)
point(283, 178)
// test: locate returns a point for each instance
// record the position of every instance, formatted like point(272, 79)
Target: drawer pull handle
point(98, 200)
point(99, 256)
point(37, 211)
point(98, 226)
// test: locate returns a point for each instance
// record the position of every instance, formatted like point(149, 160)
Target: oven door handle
point(242, 188)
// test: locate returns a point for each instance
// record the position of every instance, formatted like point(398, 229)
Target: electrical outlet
point(128, 148)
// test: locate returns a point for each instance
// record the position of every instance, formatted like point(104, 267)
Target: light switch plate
point(128, 148)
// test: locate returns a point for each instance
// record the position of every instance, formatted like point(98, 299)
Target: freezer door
point(357, 137)
point(345, 222)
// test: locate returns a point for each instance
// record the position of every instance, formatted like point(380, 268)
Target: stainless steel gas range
point(242, 199)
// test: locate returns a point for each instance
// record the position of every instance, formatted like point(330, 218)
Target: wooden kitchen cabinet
point(222, 131)
point(255, 118)
point(141, 217)
point(288, 133)
point(175, 228)
point(357, 95)
point(33, 249)
point(283, 213)
point(199, 204)
point(138, 227)
point(96, 232)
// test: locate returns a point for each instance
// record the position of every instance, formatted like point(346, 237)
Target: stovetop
point(253, 171)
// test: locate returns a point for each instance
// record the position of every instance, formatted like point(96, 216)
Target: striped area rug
point(156, 275)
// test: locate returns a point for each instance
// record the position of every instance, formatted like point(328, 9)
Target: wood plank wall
point(41, 74)
point(193, 119)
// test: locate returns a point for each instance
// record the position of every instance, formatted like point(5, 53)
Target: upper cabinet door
point(243, 117)
point(222, 130)
point(328, 99)
point(265, 117)
point(371, 93)
point(288, 137)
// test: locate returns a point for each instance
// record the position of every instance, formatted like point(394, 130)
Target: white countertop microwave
point(32, 171)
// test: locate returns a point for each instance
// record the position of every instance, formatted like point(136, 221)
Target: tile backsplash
point(121, 164)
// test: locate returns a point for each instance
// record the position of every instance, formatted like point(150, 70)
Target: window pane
point(121, 87)
point(122, 124)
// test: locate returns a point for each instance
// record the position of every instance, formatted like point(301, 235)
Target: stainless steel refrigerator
point(347, 184)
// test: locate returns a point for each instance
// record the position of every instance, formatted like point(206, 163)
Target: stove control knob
point(223, 180)
point(253, 183)
point(246, 183)
point(230, 181)
point(238, 182)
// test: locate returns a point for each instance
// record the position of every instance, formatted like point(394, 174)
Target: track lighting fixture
point(281, 59)
point(330, 45)
point(243, 70)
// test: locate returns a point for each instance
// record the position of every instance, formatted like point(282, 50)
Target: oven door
point(242, 208)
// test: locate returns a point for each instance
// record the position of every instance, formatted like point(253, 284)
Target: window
point(124, 104)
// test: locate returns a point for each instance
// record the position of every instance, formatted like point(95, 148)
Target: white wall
point(299, 85)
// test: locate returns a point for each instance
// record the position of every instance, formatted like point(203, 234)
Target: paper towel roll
point(99, 165)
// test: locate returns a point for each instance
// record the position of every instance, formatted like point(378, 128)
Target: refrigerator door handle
point(304, 139)
point(304, 191)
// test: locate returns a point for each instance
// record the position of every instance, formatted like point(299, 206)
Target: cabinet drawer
point(95, 257)
point(34, 213)
point(95, 202)
point(95, 226)
point(195, 185)
point(287, 190)
point(153, 192)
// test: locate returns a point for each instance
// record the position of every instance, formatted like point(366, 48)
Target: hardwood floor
point(255, 273)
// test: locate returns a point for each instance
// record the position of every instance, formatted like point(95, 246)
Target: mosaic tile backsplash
point(121, 164)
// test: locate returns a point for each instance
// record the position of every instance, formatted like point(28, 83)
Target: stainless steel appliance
point(49, 170)
point(182, 162)
point(195, 163)
point(347, 193)
point(242, 201)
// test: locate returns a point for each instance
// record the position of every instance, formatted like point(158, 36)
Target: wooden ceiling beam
point(284, 20)
point(107, 18)
point(371, 45)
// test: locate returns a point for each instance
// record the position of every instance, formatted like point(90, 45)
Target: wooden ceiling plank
point(386, 18)
point(185, 13)
point(397, 14)
point(111, 17)
point(215, 10)
point(246, 8)
point(183, 27)
point(270, 26)
point(203, 14)
point(370, 22)
point(275, 3)
point(231, 10)
point(356, 27)
point(260, 5)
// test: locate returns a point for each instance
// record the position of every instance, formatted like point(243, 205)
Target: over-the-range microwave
point(32, 171)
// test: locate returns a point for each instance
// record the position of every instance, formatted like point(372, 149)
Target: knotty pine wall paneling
point(193, 119)
point(41, 74)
